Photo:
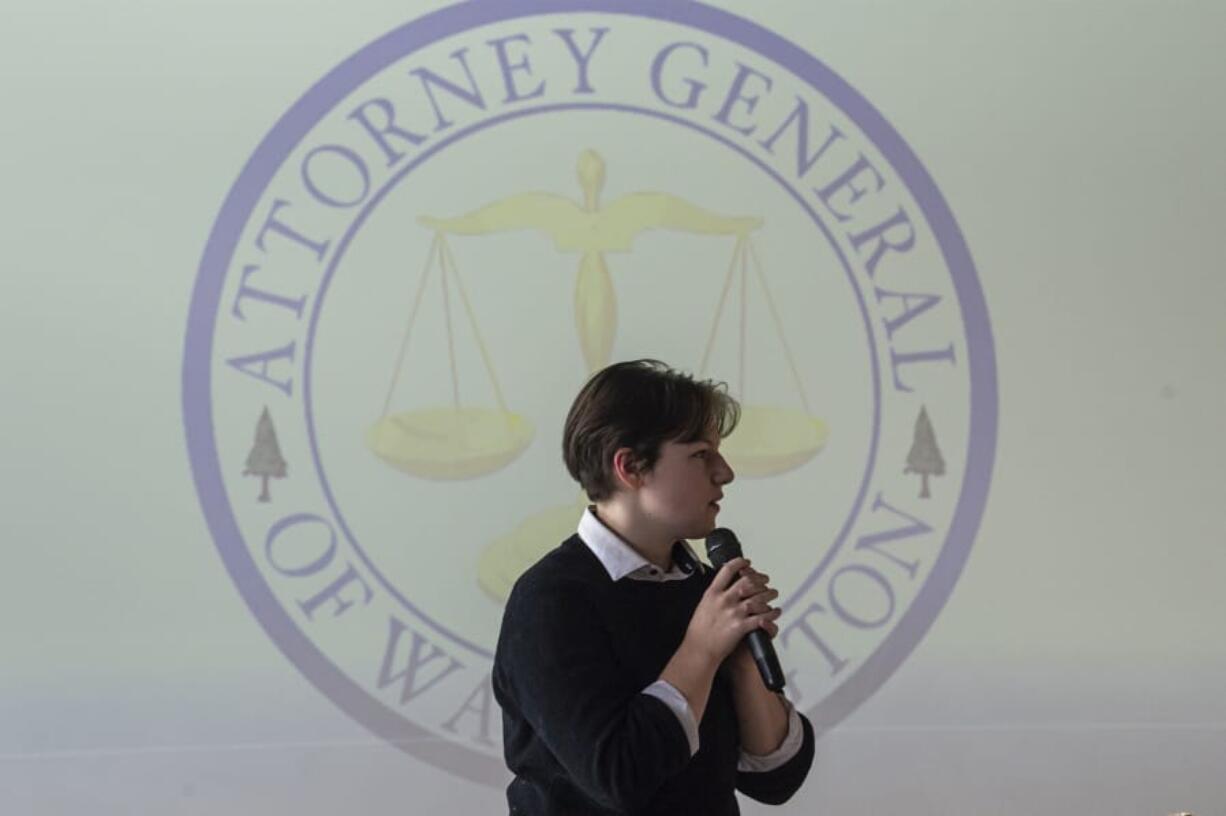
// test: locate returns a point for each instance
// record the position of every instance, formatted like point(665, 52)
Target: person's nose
point(723, 473)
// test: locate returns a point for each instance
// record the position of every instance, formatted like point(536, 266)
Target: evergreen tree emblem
point(265, 458)
point(924, 457)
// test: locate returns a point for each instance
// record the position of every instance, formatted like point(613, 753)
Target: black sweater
point(575, 652)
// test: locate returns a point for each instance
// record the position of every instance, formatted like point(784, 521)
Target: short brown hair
point(640, 404)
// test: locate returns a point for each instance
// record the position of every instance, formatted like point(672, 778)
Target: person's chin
point(703, 528)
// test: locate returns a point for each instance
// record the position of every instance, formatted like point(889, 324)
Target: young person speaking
point(621, 668)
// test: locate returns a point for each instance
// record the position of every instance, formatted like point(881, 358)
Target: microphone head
point(722, 546)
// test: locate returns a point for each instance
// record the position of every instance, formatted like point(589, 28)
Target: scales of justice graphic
point(464, 441)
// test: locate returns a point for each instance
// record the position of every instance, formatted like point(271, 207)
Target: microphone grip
point(722, 547)
point(768, 662)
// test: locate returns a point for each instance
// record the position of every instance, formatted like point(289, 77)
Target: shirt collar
point(621, 560)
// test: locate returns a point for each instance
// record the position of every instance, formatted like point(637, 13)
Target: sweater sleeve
point(776, 786)
point(790, 746)
point(675, 700)
point(556, 666)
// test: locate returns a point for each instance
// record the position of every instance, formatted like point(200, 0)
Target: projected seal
point(431, 250)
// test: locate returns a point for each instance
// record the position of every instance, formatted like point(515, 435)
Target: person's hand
point(742, 657)
point(736, 603)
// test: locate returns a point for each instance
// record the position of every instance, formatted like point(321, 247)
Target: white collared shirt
point(620, 560)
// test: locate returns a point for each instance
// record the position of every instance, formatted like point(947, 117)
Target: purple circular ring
point(321, 98)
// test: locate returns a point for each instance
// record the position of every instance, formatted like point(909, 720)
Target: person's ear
point(626, 468)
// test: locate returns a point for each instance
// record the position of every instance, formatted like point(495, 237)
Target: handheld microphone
point(722, 547)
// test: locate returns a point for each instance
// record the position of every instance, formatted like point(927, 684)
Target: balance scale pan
point(450, 443)
point(770, 440)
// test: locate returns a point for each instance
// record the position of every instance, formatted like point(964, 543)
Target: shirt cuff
point(787, 749)
point(667, 693)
